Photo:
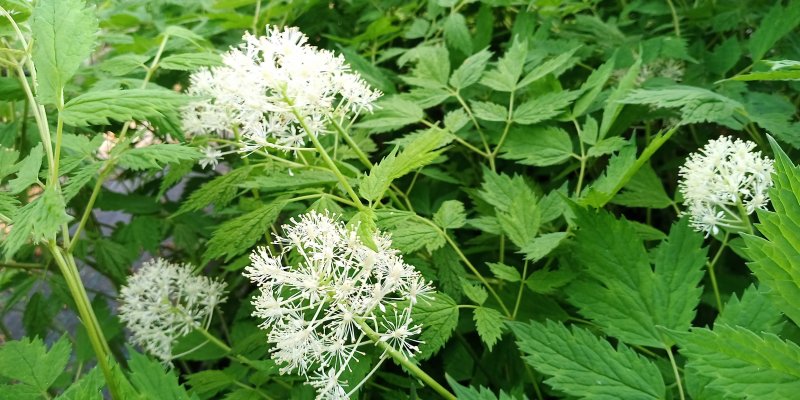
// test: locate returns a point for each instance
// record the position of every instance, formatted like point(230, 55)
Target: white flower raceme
point(337, 296)
point(724, 183)
point(275, 90)
point(163, 302)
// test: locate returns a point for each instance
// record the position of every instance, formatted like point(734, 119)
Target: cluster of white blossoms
point(271, 88)
point(338, 296)
point(163, 302)
point(724, 183)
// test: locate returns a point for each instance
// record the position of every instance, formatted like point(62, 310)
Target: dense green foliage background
point(524, 157)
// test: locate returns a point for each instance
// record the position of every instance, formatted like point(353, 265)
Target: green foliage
point(156, 156)
point(152, 380)
point(439, 316)
point(32, 365)
point(742, 363)
point(772, 256)
point(240, 234)
point(583, 365)
point(100, 107)
point(63, 37)
point(624, 294)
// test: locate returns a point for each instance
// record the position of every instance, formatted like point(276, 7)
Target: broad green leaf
point(725, 56)
point(450, 215)
point(592, 87)
point(432, 69)
point(469, 72)
point(643, 190)
point(27, 170)
point(30, 363)
point(474, 291)
point(392, 113)
point(102, 106)
point(63, 37)
point(413, 234)
point(522, 220)
point(152, 381)
point(754, 311)
point(504, 78)
point(238, 235)
point(544, 107)
point(548, 67)
point(541, 246)
point(489, 323)
point(89, 387)
point(624, 294)
point(489, 111)
point(504, 272)
point(585, 366)
point(449, 272)
point(607, 145)
point(39, 220)
point(190, 61)
point(221, 191)
point(456, 33)
point(8, 158)
point(613, 107)
point(124, 64)
point(778, 22)
point(696, 105)
point(501, 190)
point(774, 257)
point(471, 393)
point(39, 314)
point(421, 151)
point(743, 364)
point(156, 156)
point(286, 181)
point(547, 281)
point(438, 317)
point(209, 382)
point(539, 146)
point(79, 179)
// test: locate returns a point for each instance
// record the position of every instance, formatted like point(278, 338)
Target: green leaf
point(778, 22)
point(456, 33)
point(607, 145)
point(616, 175)
point(592, 87)
point(470, 393)
point(221, 191)
point(101, 106)
point(509, 68)
point(63, 36)
point(421, 151)
point(696, 105)
point(209, 382)
point(30, 363)
point(80, 179)
point(521, 222)
point(547, 281)
point(438, 318)
point(89, 387)
point(451, 215)
point(725, 56)
point(474, 292)
point(584, 366)
point(742, 364)
point(613, 107)
point(540, 247)
point(413, 234)
point(624, 294)
point(774, 257)
point(124, 64)
point(754, 311)
point(489, 111)
point(501, 190)
point(645, 189)
point(489, 323)
point(190, 61)
point(39, 314)
point(469, 72)
point(238, 235)
point(282, 180)
point(539, 145)
point(156, 156)
point(548, 67)
point(432, 69)
point(391, 114)
point(152, 381)
point(504, 272)
point(39, 220)
point(27, 170)
point(544, 107)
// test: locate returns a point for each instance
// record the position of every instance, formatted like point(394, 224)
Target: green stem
point(506, 129)
point(324, 154)
point(519, 292)
point(712, 275)
point(98, 342)
point(404, 361)
point(90, 205)
point(675, 371)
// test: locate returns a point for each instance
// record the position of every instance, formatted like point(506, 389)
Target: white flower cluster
point(270, 86)
point(724, 183)
point(316, 310)
point(163, 302)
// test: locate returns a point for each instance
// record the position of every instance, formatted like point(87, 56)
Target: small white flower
point(211, 156)
point(275, 90)
point(163, 302)
point(315, 308)
point(724, 183)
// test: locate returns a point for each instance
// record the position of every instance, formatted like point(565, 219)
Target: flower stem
point(712, 275)
point(404, 361)
point(675, 371)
